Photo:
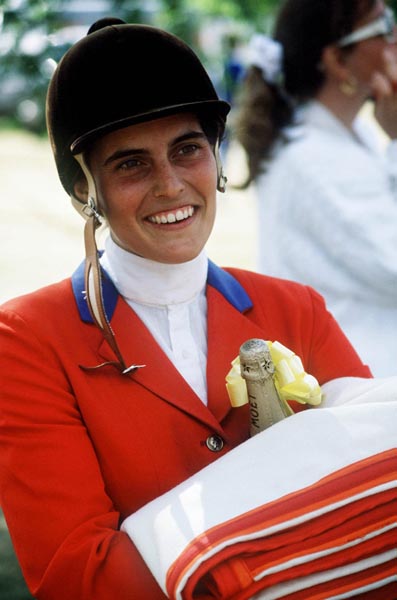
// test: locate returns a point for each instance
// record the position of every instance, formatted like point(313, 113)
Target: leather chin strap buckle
point(89, 209)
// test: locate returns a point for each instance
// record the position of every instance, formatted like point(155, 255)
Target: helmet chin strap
point(93, 276)
point(89, 208)
point(222, 179)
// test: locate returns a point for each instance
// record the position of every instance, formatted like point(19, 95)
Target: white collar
point(153, 283)
point(316, 114)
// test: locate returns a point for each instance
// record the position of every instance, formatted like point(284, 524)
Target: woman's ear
point(80, 189)
point(333, 61)
point(335, 65)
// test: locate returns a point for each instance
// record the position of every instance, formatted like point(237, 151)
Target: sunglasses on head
point(384, 25)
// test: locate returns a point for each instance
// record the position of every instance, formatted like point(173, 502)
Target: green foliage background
point(180, 16)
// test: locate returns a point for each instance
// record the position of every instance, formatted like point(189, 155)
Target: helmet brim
point(208, 107)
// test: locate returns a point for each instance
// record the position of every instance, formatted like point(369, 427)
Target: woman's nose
point(168, 182)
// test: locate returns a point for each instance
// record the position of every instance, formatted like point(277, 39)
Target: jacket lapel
point(138, 346)
point(159, 375)
point(228, 328)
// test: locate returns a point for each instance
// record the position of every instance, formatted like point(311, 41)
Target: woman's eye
point(131, 163)
point(189, 149)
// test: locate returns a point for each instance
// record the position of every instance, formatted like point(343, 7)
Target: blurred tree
point(34, 11)
point(184, 17)
point(251, 11)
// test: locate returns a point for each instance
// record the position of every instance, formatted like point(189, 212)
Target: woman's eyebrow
point(188, 136)
point(118, 154)
point(123, 154)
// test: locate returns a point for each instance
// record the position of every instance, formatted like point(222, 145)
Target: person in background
point(326, 186)
point(233, 70)
point(112, 382)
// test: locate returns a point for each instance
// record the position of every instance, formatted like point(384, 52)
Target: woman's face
point(374, 57)
point(156, 185)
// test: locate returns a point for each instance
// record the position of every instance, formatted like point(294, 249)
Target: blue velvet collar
point(221, 280)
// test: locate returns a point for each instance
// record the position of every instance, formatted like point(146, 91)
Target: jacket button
point(214, 442)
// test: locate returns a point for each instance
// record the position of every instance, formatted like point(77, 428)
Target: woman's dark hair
point(213, 127)
point(304, 28)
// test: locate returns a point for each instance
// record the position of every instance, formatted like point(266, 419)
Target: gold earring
point(349, 86)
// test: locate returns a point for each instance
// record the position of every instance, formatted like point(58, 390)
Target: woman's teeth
point(172, 217)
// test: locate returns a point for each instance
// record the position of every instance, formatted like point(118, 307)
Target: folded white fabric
point(306, 509)
point(356, 390)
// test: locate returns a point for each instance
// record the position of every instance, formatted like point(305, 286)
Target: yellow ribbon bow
point(290, 379)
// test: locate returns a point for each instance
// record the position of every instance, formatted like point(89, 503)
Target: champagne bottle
point(257, 369)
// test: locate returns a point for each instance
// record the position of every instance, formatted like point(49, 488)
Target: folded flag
point(307, 509)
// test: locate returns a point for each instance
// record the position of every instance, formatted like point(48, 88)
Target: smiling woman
point(156, 187)
point(119, 391)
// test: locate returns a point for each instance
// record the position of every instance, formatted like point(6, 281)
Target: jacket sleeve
point(63, 525)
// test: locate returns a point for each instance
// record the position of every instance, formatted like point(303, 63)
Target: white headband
point(266, 54)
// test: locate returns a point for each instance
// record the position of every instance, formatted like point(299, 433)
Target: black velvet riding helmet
point(119, 75)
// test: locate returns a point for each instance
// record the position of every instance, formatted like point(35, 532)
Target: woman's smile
point(172, 216)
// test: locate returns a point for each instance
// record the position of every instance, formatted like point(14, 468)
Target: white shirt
point(328, 218)
point(171, 302)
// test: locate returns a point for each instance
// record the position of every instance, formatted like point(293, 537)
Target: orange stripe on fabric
point(337, 585)
point(367, 549)
point(298, 503)
point(339, 532)
point(273, 552)
point(334, 488)
point(232, 577)
point(342, 484)
point(347, 584)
